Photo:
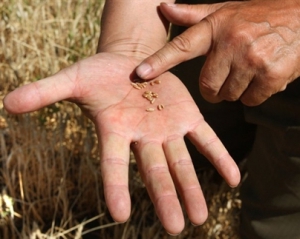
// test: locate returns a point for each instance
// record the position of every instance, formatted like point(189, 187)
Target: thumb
point(39, 94)
point(186, 14)
point(195, 41)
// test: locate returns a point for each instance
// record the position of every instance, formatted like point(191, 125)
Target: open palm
point(101, 86)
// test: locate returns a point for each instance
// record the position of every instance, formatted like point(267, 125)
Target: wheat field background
point(49, 176)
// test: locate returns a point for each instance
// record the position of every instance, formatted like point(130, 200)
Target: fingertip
point(200, 220)
point(231, 174)
point(120, 218)
point(6, 105)
point(171, 215)
point(119, 205)
point(229, 170)
point(187, 14)
point(144, 70)
point(235, 178)
point(23, 100)
point(12, 103)
point(173, 235)
point(179, 14)
point(197, 210)
point(176, 232)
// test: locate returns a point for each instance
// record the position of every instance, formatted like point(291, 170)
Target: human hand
point(100, 85)
point(252, 47)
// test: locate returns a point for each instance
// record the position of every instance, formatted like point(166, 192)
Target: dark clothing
point(268, 135)
point(271, 193)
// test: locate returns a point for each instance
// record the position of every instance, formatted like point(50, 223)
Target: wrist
point(131, 47)
point(132, 27)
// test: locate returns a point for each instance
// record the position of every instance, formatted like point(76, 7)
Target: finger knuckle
point(160, 58)
point(255, 99)
point(230, 96)
point(231, 92)
point(210, 98)
point(261, 54)
point(114, 161)
point(208, 87)
point(271, 81)
point(249, 101)
point(256, 60)
point(237, 35)
point(157, 170)
point(181, 44)
point(182, 162)
point(276, 75)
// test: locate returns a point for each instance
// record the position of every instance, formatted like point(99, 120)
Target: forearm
point(132, 27)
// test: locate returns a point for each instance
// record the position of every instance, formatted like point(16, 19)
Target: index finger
point(195, 41)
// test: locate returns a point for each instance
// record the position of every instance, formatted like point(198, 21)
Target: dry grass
point(50, 181)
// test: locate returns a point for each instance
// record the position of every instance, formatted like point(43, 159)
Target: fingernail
point(232, 186)
point(195, 225)
point(170, 4)
point(173, 235)
point(143, 70)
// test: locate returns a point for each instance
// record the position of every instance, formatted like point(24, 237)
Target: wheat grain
point(154, 95)
point(136, 86)
point(160, 107)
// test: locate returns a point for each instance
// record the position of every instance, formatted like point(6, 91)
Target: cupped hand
point(101, 86)
point(252, 47)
